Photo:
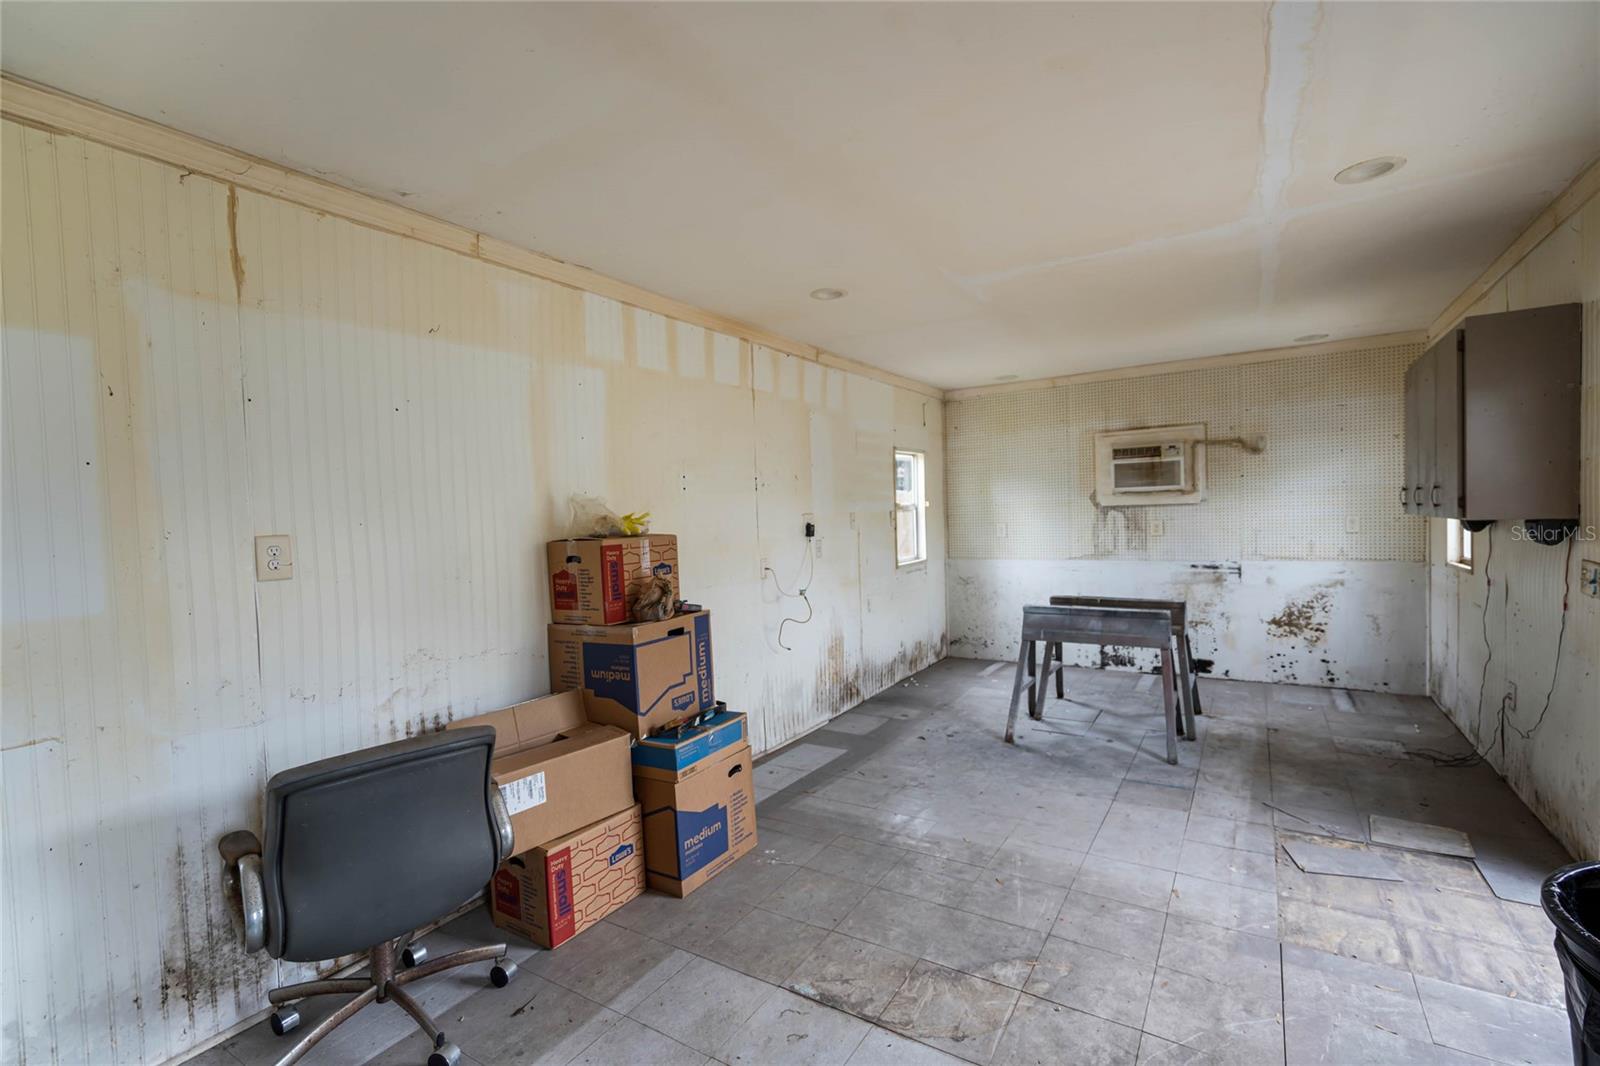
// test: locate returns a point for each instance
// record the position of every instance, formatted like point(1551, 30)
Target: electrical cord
point(1439, 758)
point(1561, 636)
point(799, 594)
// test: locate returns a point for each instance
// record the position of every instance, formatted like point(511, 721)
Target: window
point(910, 509)
point(1458, 543)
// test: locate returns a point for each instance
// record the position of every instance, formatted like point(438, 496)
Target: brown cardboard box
point(557, 770)
point(555, 891)
point(593, 580)
point(698, 822)
point(640, 676)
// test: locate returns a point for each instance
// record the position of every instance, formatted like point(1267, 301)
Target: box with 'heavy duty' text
point(555, 891)
point(593, 580)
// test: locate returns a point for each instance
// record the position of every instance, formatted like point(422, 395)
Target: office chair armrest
point(502, 824)
point(241, 852)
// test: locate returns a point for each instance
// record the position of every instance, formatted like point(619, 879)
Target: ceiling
point(1002, 189)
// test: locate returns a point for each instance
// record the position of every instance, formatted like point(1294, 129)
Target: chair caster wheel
point(284, 1020)
point(414, 955)
point(446, 1055)
point(502, 973)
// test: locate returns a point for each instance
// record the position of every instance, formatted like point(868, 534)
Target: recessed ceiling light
point(1006, 377)
point(1305, 338)
point(827, 294)
point(1369, 169)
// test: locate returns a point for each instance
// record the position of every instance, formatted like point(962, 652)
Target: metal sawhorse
point(1188, 680)
point(1122, 627)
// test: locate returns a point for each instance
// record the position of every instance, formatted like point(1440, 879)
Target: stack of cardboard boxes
point(631, 773)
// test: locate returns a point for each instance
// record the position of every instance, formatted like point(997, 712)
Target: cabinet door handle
point(1405, 495)
point(1416, 495)
point(1435, 495)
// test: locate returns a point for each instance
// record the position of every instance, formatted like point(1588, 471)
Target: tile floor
point(924, 893)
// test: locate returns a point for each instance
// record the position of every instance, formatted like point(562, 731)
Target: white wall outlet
point(1158, 527)
point(766, 564)
point(1589, 578)
point(818, 542)
point(1511, 697)
point(1000, 531)
point(274, 557)
point(1352, 524)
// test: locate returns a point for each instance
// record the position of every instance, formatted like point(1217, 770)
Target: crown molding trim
point(54, 111)
point(1204, 362)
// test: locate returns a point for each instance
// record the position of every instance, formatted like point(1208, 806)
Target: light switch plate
point(1589, 575)
point(1158, 527)
point(274, 557)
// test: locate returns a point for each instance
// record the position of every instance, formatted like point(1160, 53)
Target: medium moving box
point(555, 891)
point(682, 749)
point(591, 578)
point(698, 822)
point(640, 676)
point(557, 770)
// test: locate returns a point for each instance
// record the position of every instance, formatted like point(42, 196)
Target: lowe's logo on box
point(702, 837)
point(622, 853)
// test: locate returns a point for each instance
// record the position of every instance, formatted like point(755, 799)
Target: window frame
point(920, 467)
point(1457, 545)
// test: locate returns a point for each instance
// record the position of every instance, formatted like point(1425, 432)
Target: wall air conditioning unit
point(1141, 467)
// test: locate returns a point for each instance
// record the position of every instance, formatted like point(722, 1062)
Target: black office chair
point(362, 850)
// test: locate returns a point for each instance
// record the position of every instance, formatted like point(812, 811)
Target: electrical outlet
point(1511, 697)
point(274, 557)
point(818, 543)
point(1352, 524)
point(1000, 531)
point(766, 564)
point(1589, 578)
point(1158, 527)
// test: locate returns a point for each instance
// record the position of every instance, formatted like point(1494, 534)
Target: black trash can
point(1571, 898)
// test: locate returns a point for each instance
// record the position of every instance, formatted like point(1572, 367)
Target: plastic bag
point(592, 518)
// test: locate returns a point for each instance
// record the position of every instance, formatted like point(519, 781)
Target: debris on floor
point(1348, 861)
point(1419, 836)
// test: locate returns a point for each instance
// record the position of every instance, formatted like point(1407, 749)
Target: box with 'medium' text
point(696, 823)
point(555, 891)
point(637, 677)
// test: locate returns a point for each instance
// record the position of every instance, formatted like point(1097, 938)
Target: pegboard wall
point(1019, 475)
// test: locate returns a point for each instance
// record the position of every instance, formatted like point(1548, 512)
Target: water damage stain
point(1305, 620)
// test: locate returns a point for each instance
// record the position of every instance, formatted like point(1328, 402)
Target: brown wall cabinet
point(1492, 418)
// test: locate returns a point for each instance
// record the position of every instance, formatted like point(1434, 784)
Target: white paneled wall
point(185, 367)
point(1299, 565)
point(1501, 625)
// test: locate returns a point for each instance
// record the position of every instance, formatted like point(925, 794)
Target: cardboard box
point(555, 891)
point(594, 579)
point(681, 750)
point(637, 677)
point(557, 770)
point(698, 822)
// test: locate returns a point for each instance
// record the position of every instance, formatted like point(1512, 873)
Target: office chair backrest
point(365, 847)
